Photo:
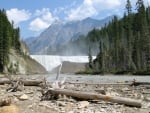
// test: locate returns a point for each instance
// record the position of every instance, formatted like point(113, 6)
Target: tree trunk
point(93, 96)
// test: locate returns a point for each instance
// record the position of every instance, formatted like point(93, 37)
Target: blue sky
point(33, 16)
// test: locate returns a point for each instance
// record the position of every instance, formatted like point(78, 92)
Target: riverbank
point(69, 105)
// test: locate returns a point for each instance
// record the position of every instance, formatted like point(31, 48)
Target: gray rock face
point(61, 33)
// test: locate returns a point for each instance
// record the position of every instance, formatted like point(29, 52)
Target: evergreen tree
point(128, 7)
point(9, 37)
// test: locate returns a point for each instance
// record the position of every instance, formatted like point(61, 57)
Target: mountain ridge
point(61, 33)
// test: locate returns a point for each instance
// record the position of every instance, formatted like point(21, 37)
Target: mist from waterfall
point(50, 62)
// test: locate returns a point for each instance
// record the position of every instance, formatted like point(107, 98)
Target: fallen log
point(136, 83)
point(5, 101)
point(92, 96)
point(98, 83)
point(4, 81)
point(25, 82)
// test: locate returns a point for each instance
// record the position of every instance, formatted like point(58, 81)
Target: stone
point(125, 89)
point(83, 104)
point(112, 93)
point(102, 110)
point(71, 112)
point(29, 92)
point(10, 109)
point(18, 94)
point(147, 99)
point(23, 97)
point(59, 103)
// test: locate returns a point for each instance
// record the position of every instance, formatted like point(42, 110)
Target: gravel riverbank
point(32, 103)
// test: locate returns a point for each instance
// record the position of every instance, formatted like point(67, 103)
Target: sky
point(34, 16)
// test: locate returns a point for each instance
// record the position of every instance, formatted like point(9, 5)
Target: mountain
point(60, 33)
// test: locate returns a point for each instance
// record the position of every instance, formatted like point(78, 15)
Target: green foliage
point(9, 38)
point(125, 43)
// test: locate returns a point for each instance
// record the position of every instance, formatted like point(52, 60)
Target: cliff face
point(22, 63)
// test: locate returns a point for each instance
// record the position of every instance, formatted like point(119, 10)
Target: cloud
point(18, 16)
point(43, 19)
point(91, 8)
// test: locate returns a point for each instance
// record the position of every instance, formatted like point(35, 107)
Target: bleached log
point(93, 96)
point(99, 83)
point(4, 81)
point(25, 82)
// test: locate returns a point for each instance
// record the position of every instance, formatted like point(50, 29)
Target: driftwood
point(91, 96)
point(5, 101)
point(15, 86)
point(99, 83)
point(25, 82)
point(136, 83)
point(4, 81)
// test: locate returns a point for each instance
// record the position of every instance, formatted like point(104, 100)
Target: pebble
point(83, 104)
point(125, 89)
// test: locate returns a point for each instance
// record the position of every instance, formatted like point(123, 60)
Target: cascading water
point(50, 62)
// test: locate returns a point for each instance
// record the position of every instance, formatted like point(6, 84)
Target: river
point(95, 78)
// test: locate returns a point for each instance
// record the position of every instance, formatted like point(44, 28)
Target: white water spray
point(50, 62)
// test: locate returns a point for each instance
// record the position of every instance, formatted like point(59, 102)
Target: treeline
point(9, 38)
point(124, 43)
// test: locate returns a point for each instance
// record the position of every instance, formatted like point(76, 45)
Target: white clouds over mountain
point(17, 15)
point(39, 18)
point(91, 8)
point(43, 18)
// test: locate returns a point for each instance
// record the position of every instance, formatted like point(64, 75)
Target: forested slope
point(124, 44)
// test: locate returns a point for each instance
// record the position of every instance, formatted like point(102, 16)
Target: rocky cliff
point(23, 63)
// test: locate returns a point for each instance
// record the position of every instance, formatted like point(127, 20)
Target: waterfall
point(50, 61)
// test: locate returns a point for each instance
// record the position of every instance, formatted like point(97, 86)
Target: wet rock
point(83, 104)
point(23, 97)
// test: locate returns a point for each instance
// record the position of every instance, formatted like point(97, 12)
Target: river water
point(97, 78)
point(50, 62)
